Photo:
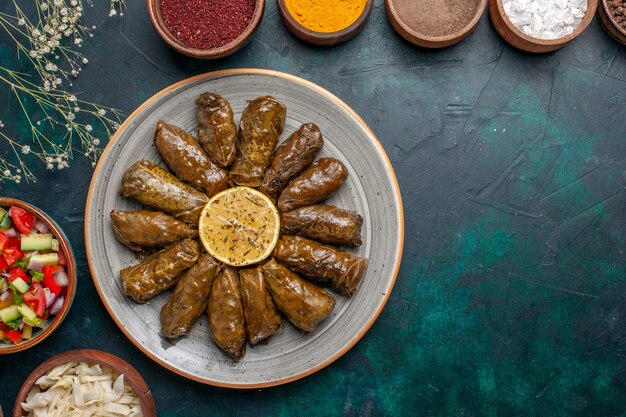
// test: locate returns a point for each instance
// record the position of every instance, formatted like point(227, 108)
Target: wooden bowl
point(131, 377)
point(610, 26)
point(154, 11)
point(65, 247)
point(323, 38)
point(520, 40)
point(427, 41)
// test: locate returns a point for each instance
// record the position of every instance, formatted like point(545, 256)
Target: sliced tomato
point(13, 242)
point(18, 272)
point(11, 255)
point(14, 335)
point(3, 265)
point(4, 327)
point(48, 278)
point(23, 219)
point(36, 299)
point(4, 239)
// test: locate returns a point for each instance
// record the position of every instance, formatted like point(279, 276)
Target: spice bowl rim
point(529, 43)
point(427, 41)
point(131, 376)
point(324, 38)
point(156, 18)
point(72, 275)
point(611, 19)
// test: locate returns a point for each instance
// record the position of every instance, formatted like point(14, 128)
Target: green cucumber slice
point(3, 213)
point(5, 224)
point(9, 314)
point(31, 243)
point(46, 259)
point(27, 312)
point(20, 285)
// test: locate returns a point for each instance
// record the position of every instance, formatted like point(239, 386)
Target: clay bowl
point(64, 246)
point(117, 365)
point(426, 41)
point(154, 11)
point(321, 38)
point(520, 40)
point(610, 26)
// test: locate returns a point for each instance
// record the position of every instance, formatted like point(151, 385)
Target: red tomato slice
point(11, 255)
point(36, 299)
point(3, 265)
point(4, 239)
point(22, 219)
point(14, 335)
point(18, 273)
point(48, 278)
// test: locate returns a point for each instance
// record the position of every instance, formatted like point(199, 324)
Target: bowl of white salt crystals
point(84, 383)
point(541, 25)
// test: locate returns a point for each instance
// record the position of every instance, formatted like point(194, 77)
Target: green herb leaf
point(17, 296)
point(15, 324)
point(35, 274)
point(22, 263)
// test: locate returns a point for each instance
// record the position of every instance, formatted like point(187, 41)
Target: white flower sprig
point(56, 118)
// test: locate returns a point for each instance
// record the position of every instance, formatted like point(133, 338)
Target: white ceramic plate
point(371, 189)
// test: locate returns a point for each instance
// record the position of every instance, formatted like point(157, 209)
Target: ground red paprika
point(206, 24)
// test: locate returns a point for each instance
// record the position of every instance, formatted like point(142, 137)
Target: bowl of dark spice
point(541, 25)
point(612, 16)
point(324, 22)
point(434, 23)
point(206, 29)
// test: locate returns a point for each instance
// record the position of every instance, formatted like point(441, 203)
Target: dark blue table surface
point(511, 296)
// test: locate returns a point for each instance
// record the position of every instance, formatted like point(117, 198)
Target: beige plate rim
point(304, 83)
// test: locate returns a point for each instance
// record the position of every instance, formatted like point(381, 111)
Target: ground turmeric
point(325, 15)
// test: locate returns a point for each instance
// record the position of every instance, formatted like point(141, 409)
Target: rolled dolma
point(317, 183)
point(322, 264)
point(148, 229)
point(262, 318)
point(217, 132)
point(226, 317)
point(155, 187)
point(291, 158)
point(326, 224)
point(187, 160)
point(159, 271)
point(304, 304)
point(189, 299)
point(261, 125)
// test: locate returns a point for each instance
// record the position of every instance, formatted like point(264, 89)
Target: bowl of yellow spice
point(324, 22)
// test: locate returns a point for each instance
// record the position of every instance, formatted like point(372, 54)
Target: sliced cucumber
point(27, 312)
point(1, 282)
point(27, 332)
point(36, 242)
point(46, 259)
point(36, 322)
point(9, 314)
point(20, 285)
point(3, 213)
point(5, 224)
point(55, 245)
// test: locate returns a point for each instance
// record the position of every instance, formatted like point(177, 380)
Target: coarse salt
point(545, 19)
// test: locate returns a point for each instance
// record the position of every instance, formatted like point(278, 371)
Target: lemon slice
point(239, 226)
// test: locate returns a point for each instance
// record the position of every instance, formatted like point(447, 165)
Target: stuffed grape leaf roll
point(261, 125)
point(322, 264)
point(291, 158)
point(153, 186)
point(186, 158)
point(262, 318)
point(317, 183)
point(217, 132)
point(326, 224)
point(141, 229)
point(226, 316)
point(304, 304)
point(159, 271)
point(189, 299)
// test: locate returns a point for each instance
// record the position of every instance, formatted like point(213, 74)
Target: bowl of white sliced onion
point(84, 382)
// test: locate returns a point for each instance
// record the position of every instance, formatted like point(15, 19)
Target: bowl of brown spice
point(612, 16)
point(434, 23)
point(206, 30)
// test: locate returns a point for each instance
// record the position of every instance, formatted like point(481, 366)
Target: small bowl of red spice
point(206, 29)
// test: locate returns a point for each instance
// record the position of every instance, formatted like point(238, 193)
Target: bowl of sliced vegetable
point(37, 275)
